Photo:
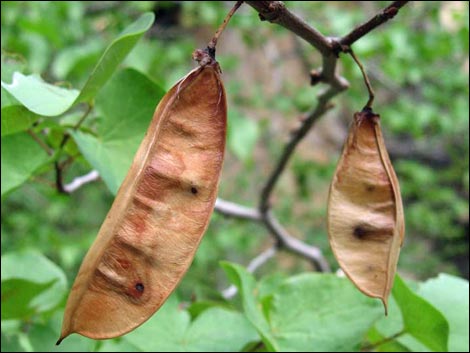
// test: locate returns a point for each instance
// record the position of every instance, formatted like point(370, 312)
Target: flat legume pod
point(150, 235)
point(365, 211)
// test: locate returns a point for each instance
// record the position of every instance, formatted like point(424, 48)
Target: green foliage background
point(418, 65)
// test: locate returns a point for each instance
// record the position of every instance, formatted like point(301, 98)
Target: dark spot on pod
point(193, 190)
point(139, 287)
point(366, 232)
point(360, 232)
point(370, 188)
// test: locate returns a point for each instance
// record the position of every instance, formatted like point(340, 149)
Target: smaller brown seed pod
point(365, 212)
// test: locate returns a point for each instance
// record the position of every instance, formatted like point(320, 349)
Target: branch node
point(390, 12)
point(272, 12)
point(337, 47)
point(316, 77)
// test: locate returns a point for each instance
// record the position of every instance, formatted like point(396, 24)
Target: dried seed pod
point(150, 235)
point(365, 211)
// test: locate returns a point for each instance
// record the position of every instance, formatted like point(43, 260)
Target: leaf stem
point(59, 167)
point(40, 142)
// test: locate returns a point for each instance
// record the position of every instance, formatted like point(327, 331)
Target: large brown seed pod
point(365, 211)
point(150, 235)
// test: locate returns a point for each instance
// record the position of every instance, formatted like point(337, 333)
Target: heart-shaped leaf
point(309, 312)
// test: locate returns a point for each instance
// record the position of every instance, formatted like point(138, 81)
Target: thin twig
point(76, 126)
point(212, 44)
point(386, 14)
point(295, 245)
point(370, 347)
point(81, 180)
point(366, 80)
point(232, 209)
point(59, 183)
point(283, 239)
point(59, 168)
point(40, 142)
point(289, 148)
point(254, 264)
point(261, 259)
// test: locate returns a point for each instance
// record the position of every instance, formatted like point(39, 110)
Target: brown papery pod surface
point(365, 211)
point(162, 209)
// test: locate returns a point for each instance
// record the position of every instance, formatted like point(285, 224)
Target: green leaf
point(219, 330)
point(7, 99)
point(214, 330)
point(127, 104)
point(421, 320)
point(270, 284)
point(242, 136)
point(322, 313)
point(17, 297)
point(34, 267)
point(114, 55)
point(16, 118)
point(21, 157)
point(163, 331)
point(310, 312)
point(393, 326)
point(449, 294)
point(45, 99)
point(246, 284)
point(198, 307)
point(71, 57)
point(39, 96)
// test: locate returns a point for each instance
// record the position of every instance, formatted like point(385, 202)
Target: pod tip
point(384, 301)
point(59, 341)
